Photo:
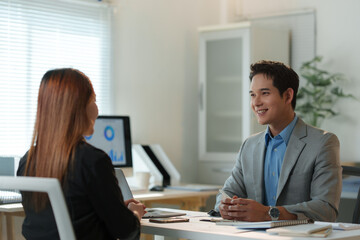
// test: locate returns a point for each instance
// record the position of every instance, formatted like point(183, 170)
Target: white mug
point(143, 179)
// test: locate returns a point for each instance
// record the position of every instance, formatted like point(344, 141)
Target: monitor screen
point(112, 135)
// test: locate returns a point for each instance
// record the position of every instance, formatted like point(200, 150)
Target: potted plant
point(319, 95)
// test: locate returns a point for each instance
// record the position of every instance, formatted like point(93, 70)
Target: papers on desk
point(342, 226)
point(345, 226)
point(195, 187)
point(304, 230)
point(158, 213)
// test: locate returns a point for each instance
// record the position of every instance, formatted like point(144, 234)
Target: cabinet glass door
point(225, 55)
point(224, 94)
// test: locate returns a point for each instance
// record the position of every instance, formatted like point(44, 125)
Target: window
point(39, 35)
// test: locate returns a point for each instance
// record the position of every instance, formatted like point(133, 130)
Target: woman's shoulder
point(88, 148)
point(91, 162)
point(22, 164)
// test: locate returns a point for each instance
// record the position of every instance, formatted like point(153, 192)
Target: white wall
point(338, 39)
point(156, 73)
point(156, 66)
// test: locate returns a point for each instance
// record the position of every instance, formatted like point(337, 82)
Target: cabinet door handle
point(201, 99)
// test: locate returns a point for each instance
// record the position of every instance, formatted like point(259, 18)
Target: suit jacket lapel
point(293, 151)
point(258, 168)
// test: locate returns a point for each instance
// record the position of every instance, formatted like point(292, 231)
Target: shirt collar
point(284, 134)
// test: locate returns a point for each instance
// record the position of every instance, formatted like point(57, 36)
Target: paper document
point(304, 230)
point(341, 226)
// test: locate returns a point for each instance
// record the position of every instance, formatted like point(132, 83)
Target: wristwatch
point(274, 213)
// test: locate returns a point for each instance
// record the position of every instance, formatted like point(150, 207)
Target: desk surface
point(12, 207)
point(197, 229)
point(206, 230)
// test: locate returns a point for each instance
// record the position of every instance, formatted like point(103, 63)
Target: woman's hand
point(136, 207)
point(130, 200)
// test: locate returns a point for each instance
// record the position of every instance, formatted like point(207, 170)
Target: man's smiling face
point(267, 103)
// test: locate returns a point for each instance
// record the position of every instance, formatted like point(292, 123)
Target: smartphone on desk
point(169, 220)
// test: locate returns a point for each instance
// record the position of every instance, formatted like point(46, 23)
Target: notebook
point(262, 225)
point(151, 213)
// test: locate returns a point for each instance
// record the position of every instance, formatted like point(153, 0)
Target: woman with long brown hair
point(66, 112)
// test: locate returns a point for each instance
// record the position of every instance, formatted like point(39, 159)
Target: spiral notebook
point(264, 225)
point(9, 197)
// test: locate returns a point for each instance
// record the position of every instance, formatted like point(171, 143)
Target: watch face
point(274, 212)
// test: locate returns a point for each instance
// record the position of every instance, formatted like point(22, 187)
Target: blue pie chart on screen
point(88, 137)
point(109, 133)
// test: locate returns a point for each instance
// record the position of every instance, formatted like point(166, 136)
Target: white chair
point(52, 187)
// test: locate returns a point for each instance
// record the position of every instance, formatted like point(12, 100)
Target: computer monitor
point(112, 135)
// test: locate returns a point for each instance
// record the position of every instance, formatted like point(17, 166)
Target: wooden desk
point(196, 229)
point(187, 200)
point(10, 210)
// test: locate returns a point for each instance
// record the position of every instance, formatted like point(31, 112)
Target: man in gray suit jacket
point(291, 170)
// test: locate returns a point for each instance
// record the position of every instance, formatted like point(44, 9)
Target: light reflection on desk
point(146, 195)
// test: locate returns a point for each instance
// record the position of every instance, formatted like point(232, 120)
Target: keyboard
point(10, 197)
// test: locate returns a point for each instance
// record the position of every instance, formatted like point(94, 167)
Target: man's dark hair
point(283, 76)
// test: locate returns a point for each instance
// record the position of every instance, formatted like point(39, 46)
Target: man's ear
point(288, 95)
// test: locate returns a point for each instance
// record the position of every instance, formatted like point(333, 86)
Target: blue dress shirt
point(274, 156)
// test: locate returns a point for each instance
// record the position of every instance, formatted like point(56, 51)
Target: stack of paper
point(341, 226)
point(345, 226)
point(305, 230)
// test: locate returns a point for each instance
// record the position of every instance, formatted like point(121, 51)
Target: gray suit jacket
point(310, 178)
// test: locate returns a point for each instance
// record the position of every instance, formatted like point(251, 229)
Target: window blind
point(39, 35)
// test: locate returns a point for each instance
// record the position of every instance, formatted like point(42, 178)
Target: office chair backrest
point(354, 171)
point(52, 187)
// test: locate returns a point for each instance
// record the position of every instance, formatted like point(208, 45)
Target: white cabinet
point(225, 55)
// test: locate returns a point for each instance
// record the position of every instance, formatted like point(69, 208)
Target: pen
point(212, 220)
